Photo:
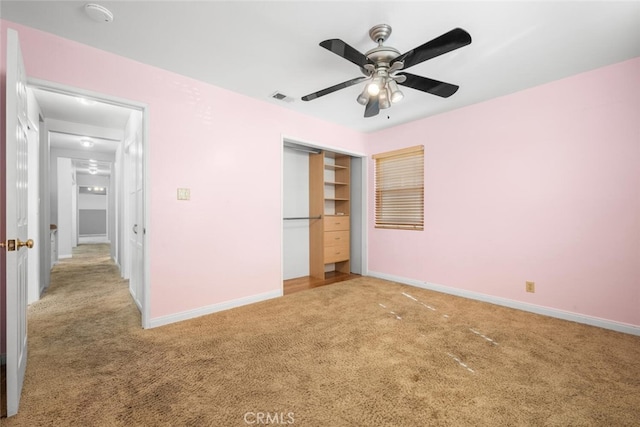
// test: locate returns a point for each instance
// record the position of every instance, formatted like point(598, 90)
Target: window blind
point(399, 189)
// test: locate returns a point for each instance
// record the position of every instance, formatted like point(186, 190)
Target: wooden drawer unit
point(336, 253)
point(336, 238)
point(336, 223)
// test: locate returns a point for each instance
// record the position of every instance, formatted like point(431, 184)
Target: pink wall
point(542, 185)
point(224, 243)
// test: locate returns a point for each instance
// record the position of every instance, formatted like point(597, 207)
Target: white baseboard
point(546, 311)
point(65, 256)
point(135, 300)
point(202, 311)
point(93, 238)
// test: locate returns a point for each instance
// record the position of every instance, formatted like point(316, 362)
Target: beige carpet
point(359, 353)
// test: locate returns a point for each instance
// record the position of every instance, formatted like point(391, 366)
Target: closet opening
point(323, 216)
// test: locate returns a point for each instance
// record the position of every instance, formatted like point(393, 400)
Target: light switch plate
point(184, 194)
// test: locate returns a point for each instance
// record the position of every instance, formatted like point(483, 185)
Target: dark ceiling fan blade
point(431, 86)
point(331, 89)
point(447, 42)
point(342, 49)
point(372, 108)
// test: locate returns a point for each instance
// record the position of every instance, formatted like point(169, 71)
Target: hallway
point(73, 332)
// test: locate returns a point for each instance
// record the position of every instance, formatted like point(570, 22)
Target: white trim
point(146, 192)
point(64, 256)
point(280, 221)
point(202, 311)
point(135, 300)
point(145, 110)
point(365, 204)
point(518, 305)
point(295, 140)
point(75, 91)
point(365, 216)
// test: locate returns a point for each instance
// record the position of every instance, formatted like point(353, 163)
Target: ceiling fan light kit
point(396, 93)
point(381, 64)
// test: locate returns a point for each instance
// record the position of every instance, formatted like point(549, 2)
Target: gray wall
point(92, 222)
point(92, 208)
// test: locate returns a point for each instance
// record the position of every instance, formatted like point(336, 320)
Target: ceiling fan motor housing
point(380, 55)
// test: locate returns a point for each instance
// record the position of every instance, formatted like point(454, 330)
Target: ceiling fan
point(381, 64)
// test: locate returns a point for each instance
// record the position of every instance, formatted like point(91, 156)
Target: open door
point(135, 194)
point(17, 243)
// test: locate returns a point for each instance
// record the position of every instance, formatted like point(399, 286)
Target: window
point(399, 187)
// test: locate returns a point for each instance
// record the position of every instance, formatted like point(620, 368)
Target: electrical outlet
point(530, 286)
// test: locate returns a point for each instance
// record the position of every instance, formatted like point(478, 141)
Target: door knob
point(12, 244)
point(28, 243)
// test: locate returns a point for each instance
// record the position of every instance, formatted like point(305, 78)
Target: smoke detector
point(98, 13)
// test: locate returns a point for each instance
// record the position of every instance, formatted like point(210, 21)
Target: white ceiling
point(72, 119)
point(258, 48)
point(59, 106)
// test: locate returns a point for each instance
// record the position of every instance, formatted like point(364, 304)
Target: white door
point(16, 221)
point(136, 216)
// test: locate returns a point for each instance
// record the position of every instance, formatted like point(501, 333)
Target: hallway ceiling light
point(86, 142)
point(85, 101)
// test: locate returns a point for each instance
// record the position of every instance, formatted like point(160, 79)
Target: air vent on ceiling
point(282, 97)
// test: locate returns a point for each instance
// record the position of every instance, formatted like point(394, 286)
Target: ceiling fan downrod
point(380, 33)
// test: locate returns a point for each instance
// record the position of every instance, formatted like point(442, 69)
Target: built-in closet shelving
point(329, 192)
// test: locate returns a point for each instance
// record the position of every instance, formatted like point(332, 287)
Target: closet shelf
point(335, 183)
point(333, 167)
point(336, 198)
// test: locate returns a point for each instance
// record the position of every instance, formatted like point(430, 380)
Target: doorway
point(92, 160)
point(321, 184)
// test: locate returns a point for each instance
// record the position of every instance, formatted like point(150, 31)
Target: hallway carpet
point(365, 352)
